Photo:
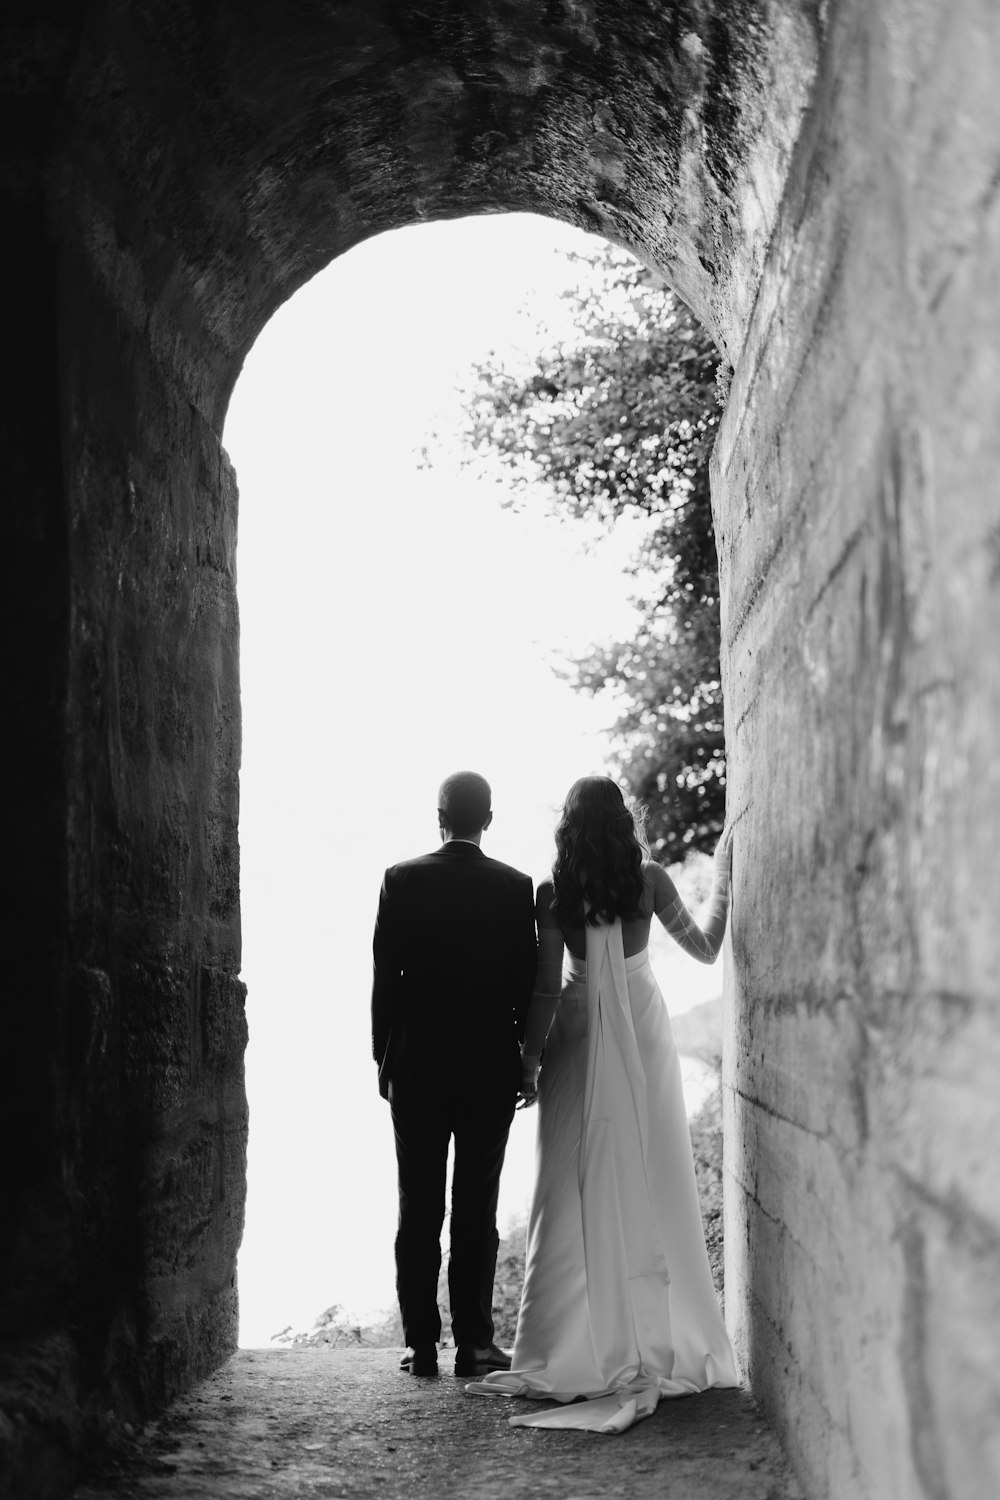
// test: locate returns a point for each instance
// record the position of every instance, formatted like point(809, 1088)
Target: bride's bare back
point(660, 899)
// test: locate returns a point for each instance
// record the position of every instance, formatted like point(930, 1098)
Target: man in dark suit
point(455, 954)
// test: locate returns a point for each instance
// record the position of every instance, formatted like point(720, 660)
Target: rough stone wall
point(123, 1109)
point(38, 1249)
point(232, 156)
point(859, 509)
point(153, 879)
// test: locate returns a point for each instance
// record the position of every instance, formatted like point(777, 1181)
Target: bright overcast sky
point(396, 624)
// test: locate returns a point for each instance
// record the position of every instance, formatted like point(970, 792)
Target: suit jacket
point(454, 964)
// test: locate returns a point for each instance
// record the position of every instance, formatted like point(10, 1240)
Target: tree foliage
point(619, 421)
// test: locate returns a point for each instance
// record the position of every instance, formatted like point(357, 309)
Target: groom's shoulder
point(507, 872)
point(480, 864)
point(404, 867)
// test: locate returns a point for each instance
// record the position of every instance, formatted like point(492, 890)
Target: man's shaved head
point(464, 804)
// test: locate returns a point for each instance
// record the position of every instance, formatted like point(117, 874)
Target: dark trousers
point(423, 1126)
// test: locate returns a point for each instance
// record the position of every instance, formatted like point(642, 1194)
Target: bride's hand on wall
point(724, 852)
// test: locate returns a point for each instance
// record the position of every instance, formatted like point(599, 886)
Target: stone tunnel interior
point(820, 182)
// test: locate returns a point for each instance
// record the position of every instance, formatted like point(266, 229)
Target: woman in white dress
point(618, 1304)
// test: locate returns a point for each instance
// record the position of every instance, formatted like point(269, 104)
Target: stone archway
point(795, 170)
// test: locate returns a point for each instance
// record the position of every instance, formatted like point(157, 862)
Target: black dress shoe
point(422, 1360)
point(472, 1361)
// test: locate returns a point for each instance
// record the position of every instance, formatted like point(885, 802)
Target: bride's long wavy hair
point(600, 846)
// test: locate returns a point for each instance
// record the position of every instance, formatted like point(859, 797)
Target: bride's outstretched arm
point(701, 942)
point(545, 995)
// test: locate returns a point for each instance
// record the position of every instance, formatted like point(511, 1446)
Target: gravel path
point(285, 1424)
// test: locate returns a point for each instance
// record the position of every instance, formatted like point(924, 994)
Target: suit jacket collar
point(457, 847)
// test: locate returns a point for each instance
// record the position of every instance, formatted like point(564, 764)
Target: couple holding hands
point(472, 1011)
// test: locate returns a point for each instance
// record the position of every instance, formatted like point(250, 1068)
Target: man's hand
point(528, 1091)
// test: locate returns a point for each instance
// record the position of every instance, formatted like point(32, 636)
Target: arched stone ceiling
point(224, 152)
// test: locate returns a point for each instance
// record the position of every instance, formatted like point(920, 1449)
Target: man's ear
point(442, 823)
point(489, 819)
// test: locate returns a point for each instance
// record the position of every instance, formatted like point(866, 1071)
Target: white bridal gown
point(618, 1304)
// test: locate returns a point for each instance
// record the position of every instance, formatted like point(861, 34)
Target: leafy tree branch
point(617, 421)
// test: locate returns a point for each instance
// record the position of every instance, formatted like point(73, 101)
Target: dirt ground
point(288, 1424)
